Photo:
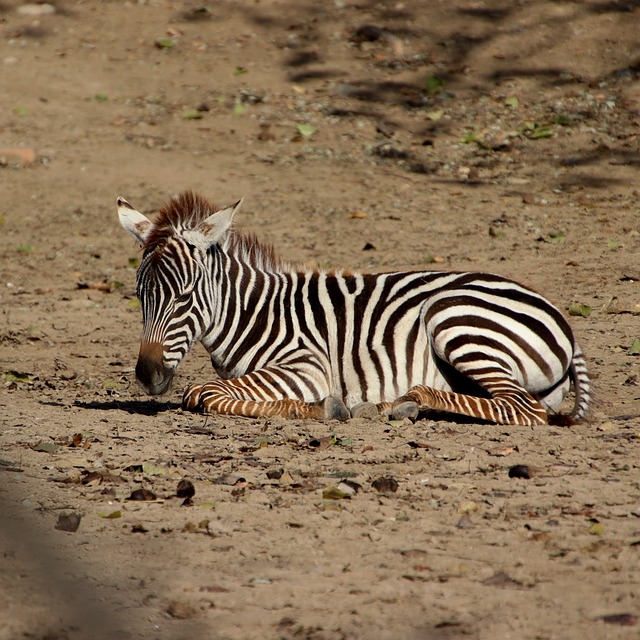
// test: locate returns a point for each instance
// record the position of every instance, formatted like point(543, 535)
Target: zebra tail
point(581, 385)
point(579, 376)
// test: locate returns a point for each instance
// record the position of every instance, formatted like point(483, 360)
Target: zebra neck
point(243, 302)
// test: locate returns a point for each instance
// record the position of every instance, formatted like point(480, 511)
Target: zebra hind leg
point(510, 404)
point(221, 397)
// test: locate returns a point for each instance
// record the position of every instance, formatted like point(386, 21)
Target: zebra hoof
point(366, 410)
point(406, 409)
point(191, 398)
point(335, 409)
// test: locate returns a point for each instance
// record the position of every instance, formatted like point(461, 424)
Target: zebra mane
point(186, 210)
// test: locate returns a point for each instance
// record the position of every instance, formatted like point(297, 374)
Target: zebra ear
point(214, 229)
point(133, 221)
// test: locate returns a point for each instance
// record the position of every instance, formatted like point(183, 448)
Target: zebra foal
point(306, 343)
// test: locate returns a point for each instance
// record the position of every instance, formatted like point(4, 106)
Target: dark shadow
point(140, 407)
point(301, 58)
point(316, 74)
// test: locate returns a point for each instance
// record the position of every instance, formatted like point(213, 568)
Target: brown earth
point(489, 135)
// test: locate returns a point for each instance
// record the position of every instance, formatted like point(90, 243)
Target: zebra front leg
point(513, 406)
point(222, 397)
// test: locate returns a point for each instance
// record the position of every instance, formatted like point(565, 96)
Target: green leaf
point(597, 529)
point(165, 43)
point(46, 447)
point(134, 304)
point(101, 97)
point(239, 109)
point(512, 102)
point(563, 121)
point(580, 309)
point(333, 493)
point(111, 516)
point(17, 376)
point(613, 245)
point(20, 110)
point(434, 85)
point(239, 71)
point(540, 133)
point(134, 263)
point(192, 114)
point(634, 349)
point(25, 248)
point(306, 130)
point(434, 116)
point(152, 469)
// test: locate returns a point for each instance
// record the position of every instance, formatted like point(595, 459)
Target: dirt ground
point(468, 135)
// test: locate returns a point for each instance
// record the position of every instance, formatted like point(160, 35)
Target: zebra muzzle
point(151, 373)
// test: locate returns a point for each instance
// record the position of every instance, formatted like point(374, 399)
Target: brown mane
point(186, 211)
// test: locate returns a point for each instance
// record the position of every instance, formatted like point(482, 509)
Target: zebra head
point(172, 281)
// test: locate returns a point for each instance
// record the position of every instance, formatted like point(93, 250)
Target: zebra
point(305, 343)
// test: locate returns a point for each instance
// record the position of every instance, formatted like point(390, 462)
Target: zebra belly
point(387, 369)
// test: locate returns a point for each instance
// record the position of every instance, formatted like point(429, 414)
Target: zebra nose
point(151, 373)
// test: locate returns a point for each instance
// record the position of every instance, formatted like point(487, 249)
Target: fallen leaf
point(622, 619)
point(152, 469)
point(512, 102)
point(306, 130)
point(468, 507)
point(434, 85)
point(333, 493)
point(165, 43)
point(502, 451)
point(46, 447)
point(580, 310)
point(212, 588)
point(17, 376)
point(111, 516)
point(634, 349)
point(191, 114)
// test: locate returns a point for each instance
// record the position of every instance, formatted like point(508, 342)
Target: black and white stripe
point(276, 333)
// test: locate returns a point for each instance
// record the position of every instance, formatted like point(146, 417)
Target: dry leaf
point(502, 451)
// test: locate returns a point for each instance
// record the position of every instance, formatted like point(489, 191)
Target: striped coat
point(334, 344)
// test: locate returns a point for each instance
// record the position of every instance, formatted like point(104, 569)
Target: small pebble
point(36, 9)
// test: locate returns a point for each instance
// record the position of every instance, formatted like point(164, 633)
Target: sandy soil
point(489, 135)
